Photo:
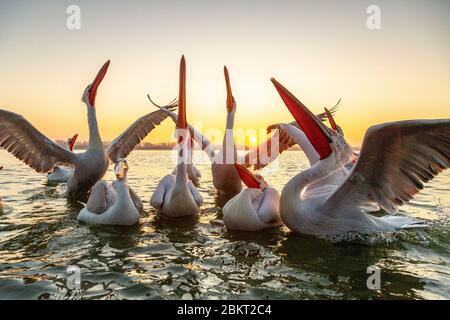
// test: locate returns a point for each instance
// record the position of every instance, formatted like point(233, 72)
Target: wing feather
point(395, 161)
point(200, 139)
point(134, 134)
point(20, 138)
point(285, 142)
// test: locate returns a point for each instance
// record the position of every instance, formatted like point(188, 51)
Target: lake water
point(197, 258)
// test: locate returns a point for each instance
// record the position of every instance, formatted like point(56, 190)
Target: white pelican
point(225, 178)
point(394, 161)
point(113, 204)
point(264, 149)
point(285, 141)
point(251, 159)
point(176, 196)
point(256, 207)
point(63, 173)
point(26, 143)
point(192, 171)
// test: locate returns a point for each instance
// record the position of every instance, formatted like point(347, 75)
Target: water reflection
point(164, 258)
point(220, 199)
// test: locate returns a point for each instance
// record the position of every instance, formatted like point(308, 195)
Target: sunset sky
point(320, 50)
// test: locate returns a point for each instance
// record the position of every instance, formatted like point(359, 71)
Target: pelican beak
point(229, 92)
point(182, 123)
point(98, 79)
point(316, 132)
point(247, 177)
point(331, 120)
point(72, 141)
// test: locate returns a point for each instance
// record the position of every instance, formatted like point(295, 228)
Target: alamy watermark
point(74, 278)
point(256, 147)
point(374, 280)
point(73, 21)
point(374, 19)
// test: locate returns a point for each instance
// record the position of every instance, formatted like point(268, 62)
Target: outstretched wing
point(395, 159)
point(134, 134)
point(269, 149)
point(25, 142)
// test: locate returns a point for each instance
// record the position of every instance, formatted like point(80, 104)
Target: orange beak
point(182, 123)
point(316, 132)
point(331, 119)
point(72, 142)
point(229, 92)
point(247, 177)
point(98, 79)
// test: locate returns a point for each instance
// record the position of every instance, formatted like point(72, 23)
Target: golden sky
point(321, 52)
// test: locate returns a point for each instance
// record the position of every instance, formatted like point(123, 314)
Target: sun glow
point(380, 76)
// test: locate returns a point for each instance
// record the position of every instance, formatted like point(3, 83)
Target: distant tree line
point(82, 145)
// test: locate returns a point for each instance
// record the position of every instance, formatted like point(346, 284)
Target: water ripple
point(198, 258)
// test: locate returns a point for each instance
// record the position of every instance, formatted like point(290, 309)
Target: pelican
point(394, 161)
point(285, 141)
point(252, 159)
point(113, 204)
point(176, 196)
point(26, 143)
point(62, 173)
point(225, 177)
point(192, 171)
point(256, 207)
point(262, 155)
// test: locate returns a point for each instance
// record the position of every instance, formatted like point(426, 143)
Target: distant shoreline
point(294, 148)
point(160, 146)
point(167, 146)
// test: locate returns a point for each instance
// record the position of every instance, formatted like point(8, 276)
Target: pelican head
point(250, 179)
point(70, 143)
point(328, 143)
point(333, 124)
point(121, 168)
point(90, 92)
